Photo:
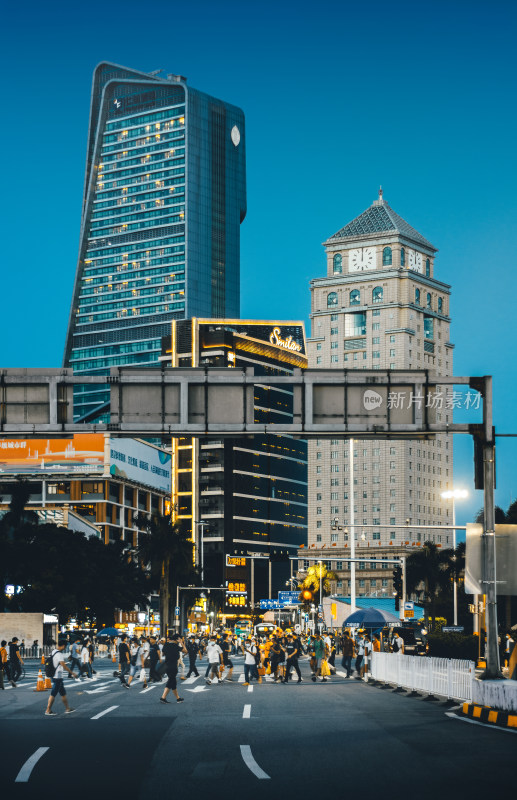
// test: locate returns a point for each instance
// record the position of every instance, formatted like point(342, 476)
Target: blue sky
point(339, 97)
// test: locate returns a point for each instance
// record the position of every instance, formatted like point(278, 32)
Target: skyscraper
point(243, 496)
point(164, 197)
point(379, 307)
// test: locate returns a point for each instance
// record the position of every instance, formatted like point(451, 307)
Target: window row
point(428, 301)
point(355, 297)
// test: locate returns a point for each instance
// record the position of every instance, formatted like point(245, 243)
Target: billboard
point(138, 461)
point(83, 452)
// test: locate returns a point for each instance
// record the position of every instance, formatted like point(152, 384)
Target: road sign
point(453, 629)
point(409, 609)
point(177, 611)
point(288, 597)
point(269, 605)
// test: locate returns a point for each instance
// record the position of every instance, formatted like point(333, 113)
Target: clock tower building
point(379, 307)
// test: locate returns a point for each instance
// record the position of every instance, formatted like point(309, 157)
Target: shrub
point(453, 645)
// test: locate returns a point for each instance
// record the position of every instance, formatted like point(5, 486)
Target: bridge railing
point(446, 677)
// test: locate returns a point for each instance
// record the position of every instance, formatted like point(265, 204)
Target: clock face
point(418, 262)
point(411, 259)
point(361, 258)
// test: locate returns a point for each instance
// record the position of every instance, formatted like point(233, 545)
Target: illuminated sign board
point(287, 344)
point(235, 561)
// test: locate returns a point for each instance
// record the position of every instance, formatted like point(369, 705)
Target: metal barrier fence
point(447, 677)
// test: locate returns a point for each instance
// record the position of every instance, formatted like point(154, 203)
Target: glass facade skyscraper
point(164, 197)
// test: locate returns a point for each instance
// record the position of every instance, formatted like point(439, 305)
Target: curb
point(486, 714)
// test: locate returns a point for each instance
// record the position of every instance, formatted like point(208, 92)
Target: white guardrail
point(447, 677)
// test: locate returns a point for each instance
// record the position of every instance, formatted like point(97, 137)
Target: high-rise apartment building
point(164, 197)
point(243, 496)
point(379, 306)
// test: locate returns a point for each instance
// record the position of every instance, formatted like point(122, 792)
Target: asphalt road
point(275, 741)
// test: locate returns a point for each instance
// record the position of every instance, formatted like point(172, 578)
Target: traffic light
point(306, 596)
point(397, 586)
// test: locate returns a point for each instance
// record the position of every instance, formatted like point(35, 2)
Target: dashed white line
point(149, 688)
point(250, 688)
point(252, 764)
point(246, 714)
point(106, 711)
point(25, 772)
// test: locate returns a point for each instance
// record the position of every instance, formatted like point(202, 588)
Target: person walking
point(318, 648)
point(226, 647)
point(192, 652)
point(75, 656)
point(250, 664)
point(154, 660)
point(347, 648)
point(15, 661)
point(215, 659)
point(137, 659)
point(360, 656)
point(124, 657)
point(3, 662)
point(397, 643)
point(171, 651)
point(292, 655)
point(275, 657)
point(85, 660)
point(59, 666)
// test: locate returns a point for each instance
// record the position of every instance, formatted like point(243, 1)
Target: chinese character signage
point(81, 453)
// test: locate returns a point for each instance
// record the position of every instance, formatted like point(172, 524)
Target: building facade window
point(355, 297)
point(440, 305)
point(402, 257)
point(331, 299)
point(386, 257)
point(417, 297)
point(377, 294)
point(338, 264)
point(427, 268)
point(428, 301)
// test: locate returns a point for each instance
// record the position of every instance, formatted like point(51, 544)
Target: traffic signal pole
point(489, 581)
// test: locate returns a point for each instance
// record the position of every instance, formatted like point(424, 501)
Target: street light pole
point(320, 609)
point(352, 526)
point(454, 494)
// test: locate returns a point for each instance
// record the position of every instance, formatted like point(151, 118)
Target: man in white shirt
point(398, 644)
point(215, 659)
point(58, 684)
point(250, 664)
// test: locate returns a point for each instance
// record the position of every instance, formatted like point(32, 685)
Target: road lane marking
point(476, 722)
point(341, 674)
point(25, 772)
point(252, 764)
point(241, 677)
point(246, 714)
point(250, 688)
point(106, 711)
point(198, 689)
point(192, 679)
point(148, 689)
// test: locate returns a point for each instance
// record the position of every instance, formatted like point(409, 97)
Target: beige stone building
point(379, 306)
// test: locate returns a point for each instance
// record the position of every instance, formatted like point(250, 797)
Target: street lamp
point(455, 494)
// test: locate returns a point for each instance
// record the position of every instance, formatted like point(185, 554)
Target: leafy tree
point(165, 547)
point(62, 569)
point(316, 575)
point(427, 574)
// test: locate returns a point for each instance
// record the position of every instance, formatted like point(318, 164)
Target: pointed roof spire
point(379, 219)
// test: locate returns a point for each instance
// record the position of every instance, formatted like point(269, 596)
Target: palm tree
point(165, 547)
point(428, 572)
